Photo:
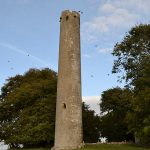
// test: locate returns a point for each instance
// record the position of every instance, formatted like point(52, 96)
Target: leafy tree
point(133, 60)
point(115, 104)
point(91, 125)
point(27, 108)
point(139, 118)
point(133, 54)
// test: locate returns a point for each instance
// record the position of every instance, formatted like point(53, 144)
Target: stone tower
point(68, 131)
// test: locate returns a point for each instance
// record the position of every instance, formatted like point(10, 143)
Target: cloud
point(93, 102)
point(139, 6)
point(23, 52)
point(115, 16)
point(97, 24)
point(108, 8)
point(118, 16)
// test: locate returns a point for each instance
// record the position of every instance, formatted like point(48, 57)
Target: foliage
point(91, 125)
point(27, 108)
point(115, 104)
point(133, 59)
point(139, 118)
point(133, 54)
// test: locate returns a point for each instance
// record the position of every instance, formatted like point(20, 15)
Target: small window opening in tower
point(64, 106)
point(60, 19)
point(67, 17)
point(75, 16)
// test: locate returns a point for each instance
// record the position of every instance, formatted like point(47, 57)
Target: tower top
point(67, 14)
point(70, 13)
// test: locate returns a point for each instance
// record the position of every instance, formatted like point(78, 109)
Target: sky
point(29, 38)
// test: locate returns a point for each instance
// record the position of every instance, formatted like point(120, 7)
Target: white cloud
point(139, 6)
point(115, 16)
point(108, 8)
point(98, 24)
point(121, 18)
point(93, 102)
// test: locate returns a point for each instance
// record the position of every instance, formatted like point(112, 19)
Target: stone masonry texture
point(68, 130)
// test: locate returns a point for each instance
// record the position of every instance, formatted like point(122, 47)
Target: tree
point(133, 54)
point(133, 60)
point(116, 102)
point(91, 125)
point(27, 111)
point(139, 117)
point(27, 108)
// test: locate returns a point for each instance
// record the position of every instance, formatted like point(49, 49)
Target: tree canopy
point(133, 55)
point(116, 102)
point(91, 125)
point(27, 110)
point(133, 61)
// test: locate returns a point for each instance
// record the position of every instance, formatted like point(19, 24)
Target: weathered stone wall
point(68, 132)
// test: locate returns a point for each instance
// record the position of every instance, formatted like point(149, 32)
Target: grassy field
point(106, 147)
point(114, 147)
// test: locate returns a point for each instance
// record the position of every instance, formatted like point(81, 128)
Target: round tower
point(68, 129)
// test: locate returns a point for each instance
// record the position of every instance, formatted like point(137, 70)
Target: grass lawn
point(105, 147)
point(113, 147)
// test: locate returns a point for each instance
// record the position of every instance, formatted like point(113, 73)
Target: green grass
point(105, 147)
point(32, 149)
point(114, 147)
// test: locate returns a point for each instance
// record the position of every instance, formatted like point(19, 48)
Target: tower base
point(68, 147)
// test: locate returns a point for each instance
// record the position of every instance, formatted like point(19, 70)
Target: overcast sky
point(29, 37)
